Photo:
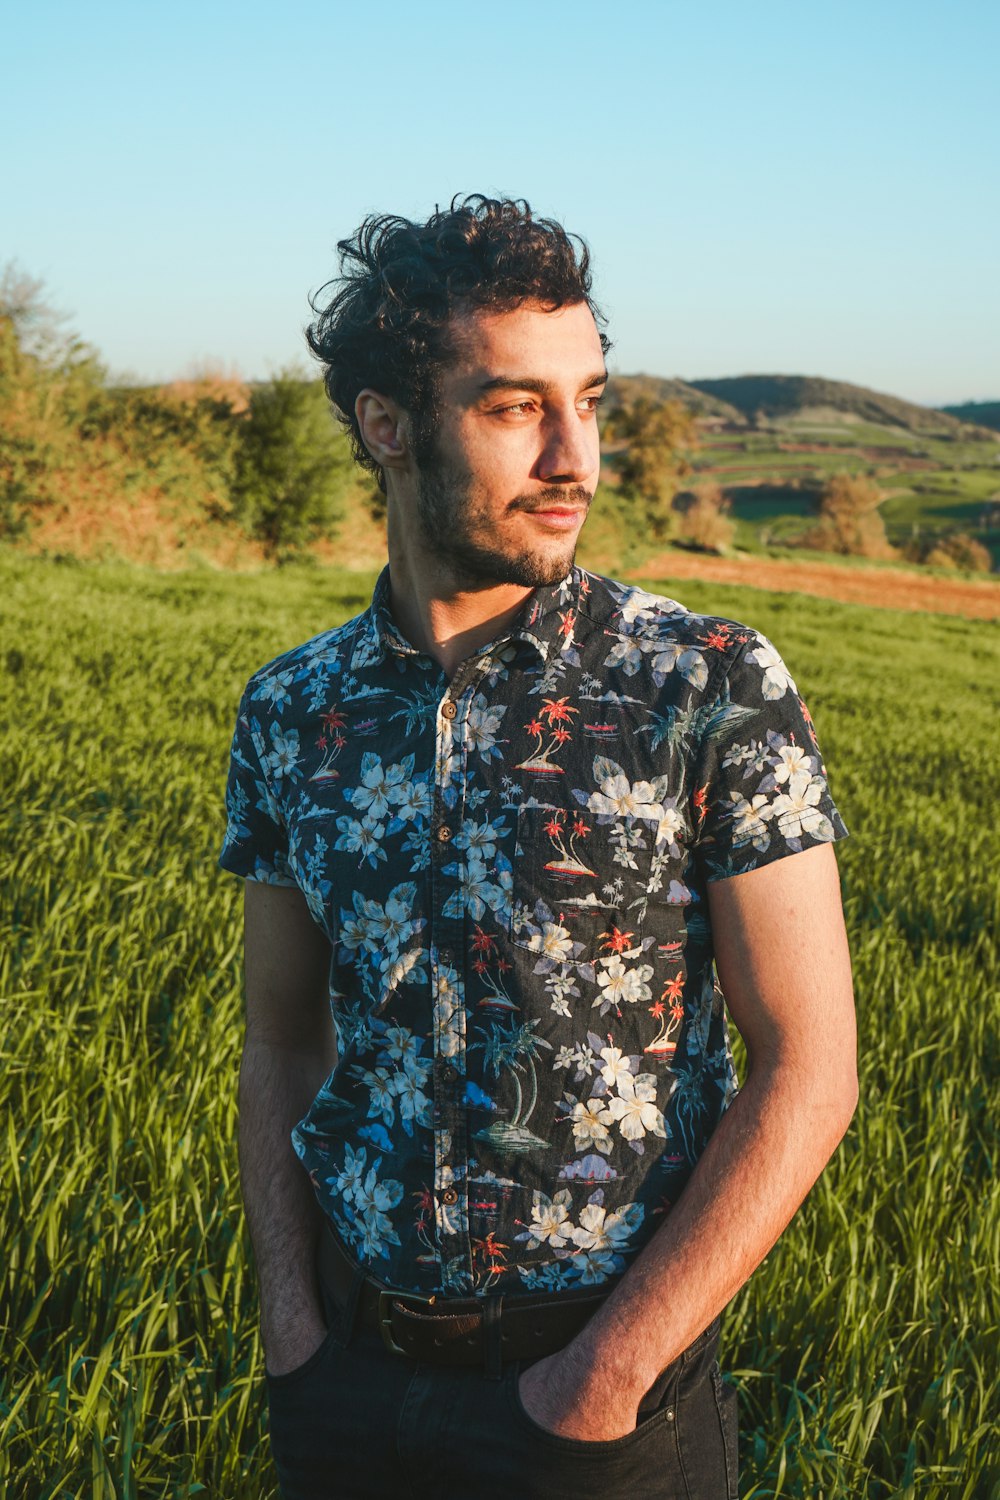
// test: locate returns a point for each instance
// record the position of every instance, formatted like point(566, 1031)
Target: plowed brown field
point(886, 588)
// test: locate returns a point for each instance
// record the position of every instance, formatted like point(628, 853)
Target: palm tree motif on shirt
point(489, 1259)
point(422, 1223)
point(486, 955)
point(513, 1050)
point(688, 1101)
point(563, 839)
point(330, 740)
point(550, 731)
point(664, 1043)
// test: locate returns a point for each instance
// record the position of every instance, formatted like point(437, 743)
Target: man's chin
point(524, 569)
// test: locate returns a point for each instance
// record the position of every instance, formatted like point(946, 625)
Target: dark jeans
point(356, 1421)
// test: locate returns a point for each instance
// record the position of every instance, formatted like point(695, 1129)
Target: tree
point(292, 465)
point(704, 520)
point(849, 519)
point(658, 434)
point(49, 381)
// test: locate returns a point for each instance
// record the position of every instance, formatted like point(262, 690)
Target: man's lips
point(560, 516)
point(560, 511)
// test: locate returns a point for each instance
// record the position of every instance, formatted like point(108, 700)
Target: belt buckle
point(385, 1300)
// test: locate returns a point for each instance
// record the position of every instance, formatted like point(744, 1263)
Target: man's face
point(515, 460)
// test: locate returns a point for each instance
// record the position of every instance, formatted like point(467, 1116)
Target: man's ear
point(383, 427)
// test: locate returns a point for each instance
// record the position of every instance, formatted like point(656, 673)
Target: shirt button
point(450, 1074)
point(449, 1196)
point(444, 833)
point(449, 708)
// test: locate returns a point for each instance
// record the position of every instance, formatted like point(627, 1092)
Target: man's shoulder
point(323, 655)
point(628, 610)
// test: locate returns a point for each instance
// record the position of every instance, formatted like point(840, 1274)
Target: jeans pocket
point(299, 1372)
point(648, 1421)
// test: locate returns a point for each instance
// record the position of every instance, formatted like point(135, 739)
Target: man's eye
point(591, 403)
point(518, 407)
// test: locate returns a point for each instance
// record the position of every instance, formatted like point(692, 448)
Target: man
point(503, 824)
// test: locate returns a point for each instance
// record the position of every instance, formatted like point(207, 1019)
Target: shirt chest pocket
point(577, 884)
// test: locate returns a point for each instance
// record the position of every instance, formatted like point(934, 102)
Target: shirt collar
point(545, 623)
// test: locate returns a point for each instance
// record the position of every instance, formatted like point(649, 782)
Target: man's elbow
point(838, 1101)
point(848, 1100)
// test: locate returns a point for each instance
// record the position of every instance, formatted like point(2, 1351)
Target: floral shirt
point(511, 869)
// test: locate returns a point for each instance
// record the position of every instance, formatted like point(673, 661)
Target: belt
point(440, 1330)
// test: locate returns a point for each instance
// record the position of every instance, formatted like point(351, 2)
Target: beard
point(462, 534)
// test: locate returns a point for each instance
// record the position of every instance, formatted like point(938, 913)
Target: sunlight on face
point(516, 459)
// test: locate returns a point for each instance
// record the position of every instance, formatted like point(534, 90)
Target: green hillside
point(624, 389)
point(792, 395)
point(772, 441)
point(933, 484)
point(980, 413)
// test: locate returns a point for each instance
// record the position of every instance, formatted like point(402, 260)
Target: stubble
point(461, 533)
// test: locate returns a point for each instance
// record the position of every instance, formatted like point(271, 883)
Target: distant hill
point(791, 395)
point(623, 389)
point(980, 413)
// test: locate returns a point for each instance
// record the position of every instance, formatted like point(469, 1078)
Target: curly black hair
point(386, 324)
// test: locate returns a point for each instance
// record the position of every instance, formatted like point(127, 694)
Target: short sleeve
point(759, 790)
point(256, 843)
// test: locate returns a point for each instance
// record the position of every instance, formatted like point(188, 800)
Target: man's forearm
point(767, 1151)
point(277, 1085)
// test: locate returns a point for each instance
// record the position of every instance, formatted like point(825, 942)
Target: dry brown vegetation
point(703, 519)
point(849, 520)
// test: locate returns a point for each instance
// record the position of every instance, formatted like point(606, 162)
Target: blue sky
point(779, 187)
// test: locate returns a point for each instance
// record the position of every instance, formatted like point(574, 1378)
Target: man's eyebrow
point(530, 383)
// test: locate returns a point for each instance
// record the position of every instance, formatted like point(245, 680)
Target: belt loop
point(492, 1351)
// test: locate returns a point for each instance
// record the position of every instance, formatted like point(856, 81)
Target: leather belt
point(441, 1330)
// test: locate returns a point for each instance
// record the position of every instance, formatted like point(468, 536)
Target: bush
point(703, 520)
point(92, 463)
point(293, 465)
point(958, 550)
point(849, 519)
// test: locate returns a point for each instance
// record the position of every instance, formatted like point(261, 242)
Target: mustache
point(555, 496)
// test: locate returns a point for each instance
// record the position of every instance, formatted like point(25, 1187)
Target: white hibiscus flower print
point(777, 678)
point(635, 1109)
point(797, 811)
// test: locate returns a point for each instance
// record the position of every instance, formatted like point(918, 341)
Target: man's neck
point(442, 617)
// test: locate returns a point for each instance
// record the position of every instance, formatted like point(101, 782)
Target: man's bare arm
point(288, 1052)
point(782, 958)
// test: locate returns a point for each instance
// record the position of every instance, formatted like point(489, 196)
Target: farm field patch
point(932, 484)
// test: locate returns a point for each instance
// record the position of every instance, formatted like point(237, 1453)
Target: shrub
point(849, 519)
point(703, 520)
point(958, 550)
point(293, 465)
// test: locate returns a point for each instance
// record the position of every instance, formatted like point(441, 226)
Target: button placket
point(447, 946)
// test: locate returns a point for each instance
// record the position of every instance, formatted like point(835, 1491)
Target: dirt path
point(886, 588)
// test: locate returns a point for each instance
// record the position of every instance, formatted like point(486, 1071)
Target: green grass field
point(865, 1348)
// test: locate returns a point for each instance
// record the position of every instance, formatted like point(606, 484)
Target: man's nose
point(570, 451)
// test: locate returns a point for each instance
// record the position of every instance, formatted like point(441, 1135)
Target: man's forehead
point(531, 339)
